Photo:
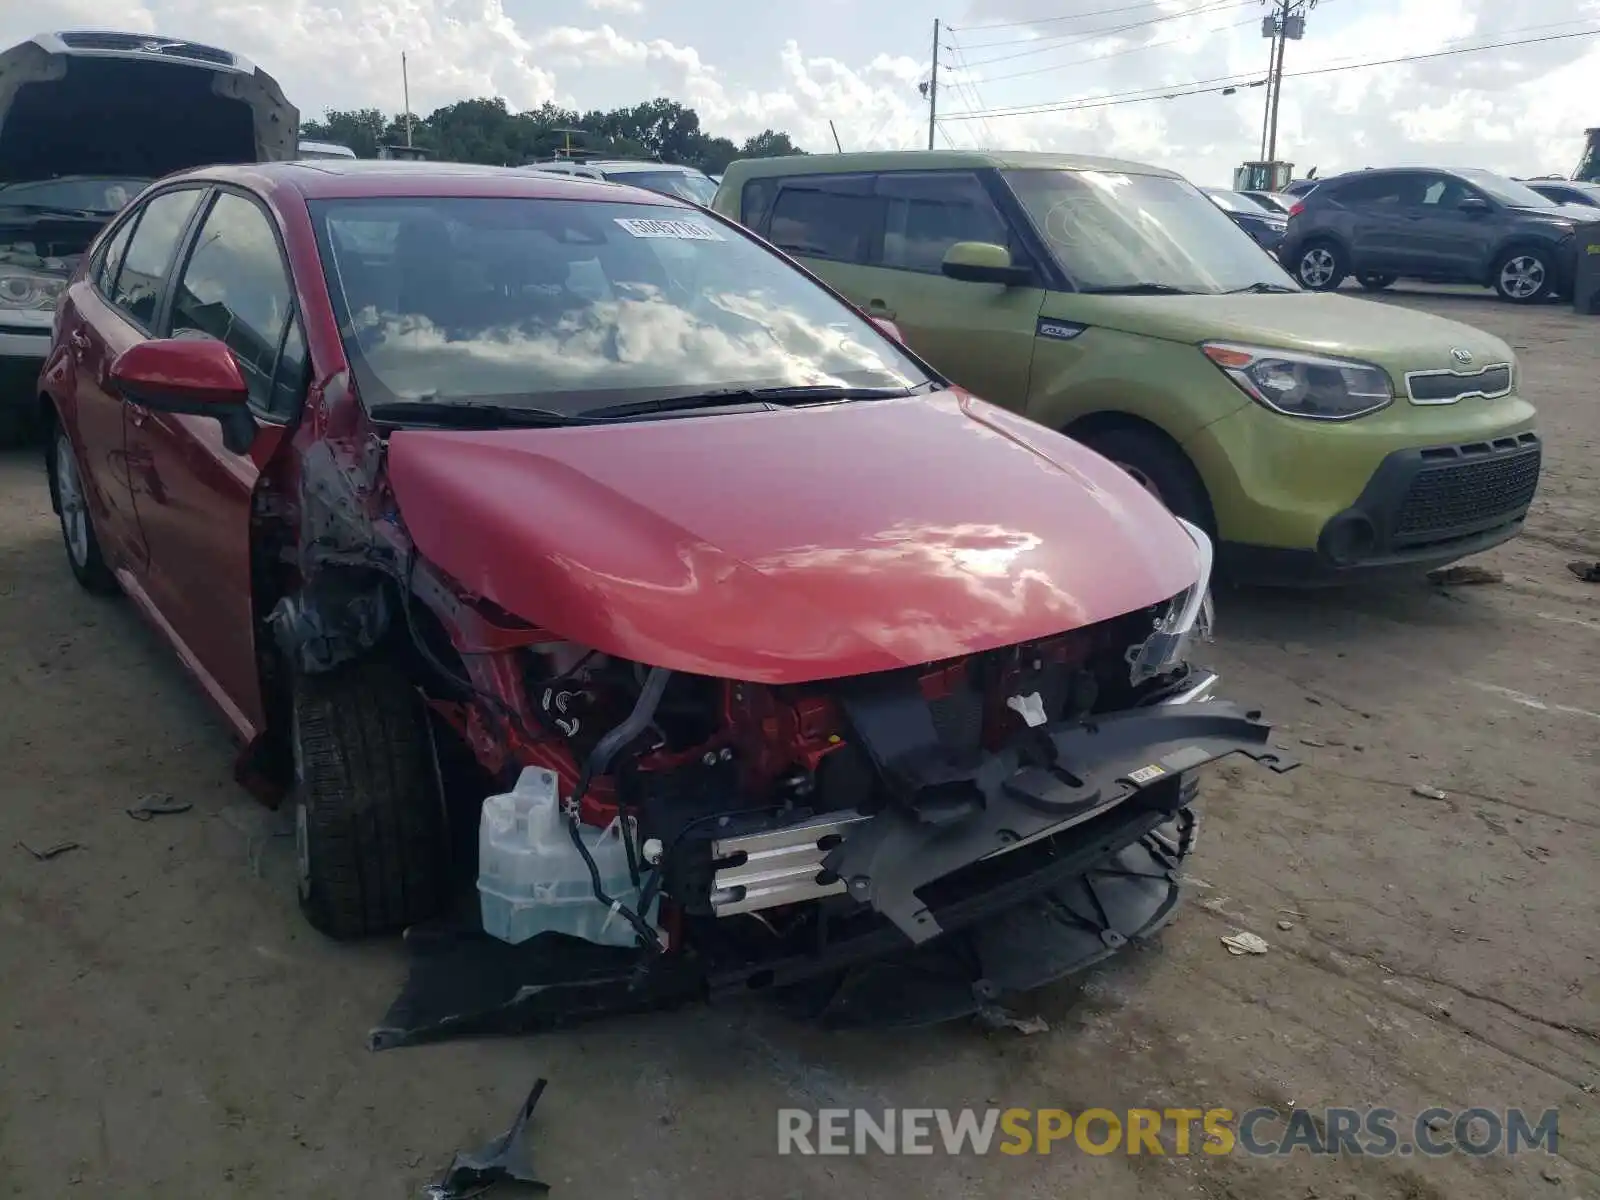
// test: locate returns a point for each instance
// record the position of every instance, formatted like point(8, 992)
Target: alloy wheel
point(1316, 267)
point(1522, 277)
point(74, 507)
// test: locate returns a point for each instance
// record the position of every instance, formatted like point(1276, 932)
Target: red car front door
point(192, 494)
point(111, 310)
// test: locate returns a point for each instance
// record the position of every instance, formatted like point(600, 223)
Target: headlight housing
point(1303, 385)
point(1185, 620)
point(22, 288)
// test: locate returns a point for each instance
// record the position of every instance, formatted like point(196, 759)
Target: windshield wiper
point(1137, 289)
point(468, 415)
point(1261, 287)
point(726, 397)
point(51, 210)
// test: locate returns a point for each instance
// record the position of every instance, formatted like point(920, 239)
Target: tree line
point(486, 131)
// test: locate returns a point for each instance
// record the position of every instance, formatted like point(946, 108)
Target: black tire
point(1523, 275)
point(370, 842)
point(1161, 467)
point(1376, 283)
point(1320, 265)
point(69, 497)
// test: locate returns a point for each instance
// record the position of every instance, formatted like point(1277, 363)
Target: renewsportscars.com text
point(1257, 1132)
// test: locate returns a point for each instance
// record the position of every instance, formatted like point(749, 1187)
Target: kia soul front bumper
point(1032, 863)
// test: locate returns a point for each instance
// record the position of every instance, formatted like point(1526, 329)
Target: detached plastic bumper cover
point(1068, 774)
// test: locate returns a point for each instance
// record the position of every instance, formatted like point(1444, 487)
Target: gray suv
point(1442, 226)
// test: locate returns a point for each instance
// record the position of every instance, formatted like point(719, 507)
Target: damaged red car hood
point(803, 544)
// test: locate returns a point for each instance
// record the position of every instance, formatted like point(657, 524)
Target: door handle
point(878, 308)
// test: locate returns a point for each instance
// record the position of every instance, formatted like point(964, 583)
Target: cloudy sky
point(1072, 68)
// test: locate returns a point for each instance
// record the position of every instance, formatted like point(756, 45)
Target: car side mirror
point(1474, 206)
point(198, 376)
point(983, 262)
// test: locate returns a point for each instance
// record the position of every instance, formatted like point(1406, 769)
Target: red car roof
point(343, 179)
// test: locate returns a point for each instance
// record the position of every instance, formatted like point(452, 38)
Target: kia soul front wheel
point(370, 836)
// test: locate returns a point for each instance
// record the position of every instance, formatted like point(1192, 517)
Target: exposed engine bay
point(1010, 815)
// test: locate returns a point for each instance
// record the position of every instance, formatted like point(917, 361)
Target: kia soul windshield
point(1116, 232)
point(572, 306)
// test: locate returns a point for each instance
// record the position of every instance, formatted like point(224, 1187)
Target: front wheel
point(1523, 276)
point(370, 837)
point(1159, 467)
point(1321, 266)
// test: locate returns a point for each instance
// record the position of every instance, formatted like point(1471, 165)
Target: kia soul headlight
point(1185, 619)
point(1303, 385)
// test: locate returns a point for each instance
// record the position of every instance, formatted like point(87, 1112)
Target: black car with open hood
point(87, 119)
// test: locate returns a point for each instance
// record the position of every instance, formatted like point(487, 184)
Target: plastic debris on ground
point(1589, 572)
point(46, 853)
point(1428, 793)
point(1244, 943)
point(994, 1018)
point(503, 1160)
point(1464, 574)
point(157, 804)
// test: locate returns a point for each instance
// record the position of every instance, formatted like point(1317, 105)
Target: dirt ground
point(169, 1026)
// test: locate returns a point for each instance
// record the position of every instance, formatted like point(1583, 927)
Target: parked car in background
point(1278, 202)
point(1440, 226)
point(315, 149)
point(1264, 226)
point(686, 183)
point(1567, 191)
point(87, 119)
point(669, 561)
point(1319, 437)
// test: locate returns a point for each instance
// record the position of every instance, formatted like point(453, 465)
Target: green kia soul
point(1317, 437)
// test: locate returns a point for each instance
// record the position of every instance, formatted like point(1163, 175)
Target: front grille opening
point(1468, 495)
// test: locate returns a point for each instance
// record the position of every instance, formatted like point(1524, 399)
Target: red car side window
point(105, 271)
point(149, 256)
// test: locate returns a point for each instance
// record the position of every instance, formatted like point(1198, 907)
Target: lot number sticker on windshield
point(691, 231)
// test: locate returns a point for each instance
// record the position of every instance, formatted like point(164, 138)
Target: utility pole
point(405, 84)
point(1286, 24)
point(933, 85)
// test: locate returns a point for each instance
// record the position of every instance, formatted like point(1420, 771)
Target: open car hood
point(784, 547)
point(104, 103)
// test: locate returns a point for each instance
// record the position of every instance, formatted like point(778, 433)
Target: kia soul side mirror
point(198, 376)
point(983, 262)
point(1474, 205)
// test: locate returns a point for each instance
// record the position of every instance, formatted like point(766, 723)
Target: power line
point(1089, 35)
point(1094, 58)
point(1225, 82)
point(1099, 12)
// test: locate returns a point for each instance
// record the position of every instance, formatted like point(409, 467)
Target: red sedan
point(490, 503)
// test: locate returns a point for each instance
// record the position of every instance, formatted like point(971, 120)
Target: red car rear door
point(111, 310)
point(192, 494)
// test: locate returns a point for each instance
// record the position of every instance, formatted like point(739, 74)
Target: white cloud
point(746, 68)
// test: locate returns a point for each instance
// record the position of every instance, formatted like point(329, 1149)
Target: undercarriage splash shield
point(1057, 933)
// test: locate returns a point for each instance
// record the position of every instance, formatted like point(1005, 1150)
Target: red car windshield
point(573, 305)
